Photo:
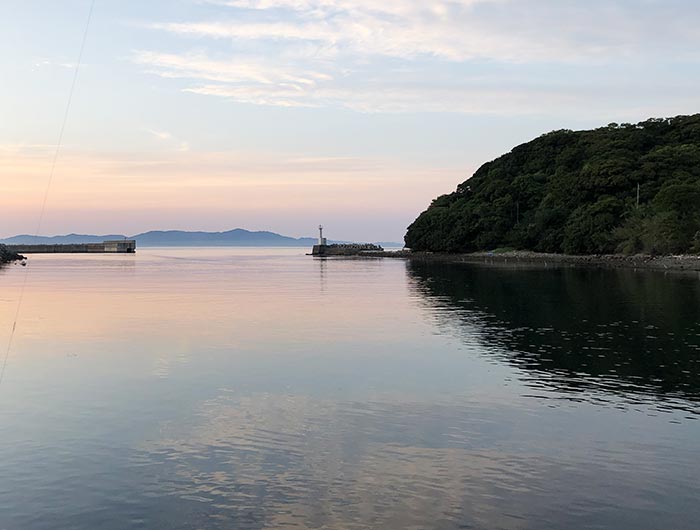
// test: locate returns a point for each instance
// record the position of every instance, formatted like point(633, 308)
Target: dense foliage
point(6, 255)
point(576, 193)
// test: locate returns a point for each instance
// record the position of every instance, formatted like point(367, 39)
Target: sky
point(283, 114)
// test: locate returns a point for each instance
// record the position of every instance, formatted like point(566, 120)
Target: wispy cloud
point(161, 135)
point(199, 66)
point(47, 63)
point(165, 136)
point(459, 30)
point(401, 55)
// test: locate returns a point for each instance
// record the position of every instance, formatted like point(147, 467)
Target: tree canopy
point(576, 192)
point(6, 255)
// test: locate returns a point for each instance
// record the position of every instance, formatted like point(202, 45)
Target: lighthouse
point(321, 247)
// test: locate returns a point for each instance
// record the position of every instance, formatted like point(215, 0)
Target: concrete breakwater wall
point(56, 249)
point(527, 259)
point(523, 258)
point(126, 246)
point(348, 249)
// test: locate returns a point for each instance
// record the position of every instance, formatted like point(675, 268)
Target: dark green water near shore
point(578, 330)
point(252, 389)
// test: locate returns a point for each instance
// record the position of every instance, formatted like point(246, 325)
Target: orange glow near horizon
point(133, 192)
point(206, 309)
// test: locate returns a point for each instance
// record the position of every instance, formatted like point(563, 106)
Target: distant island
point(179, 238)
point(628, 189)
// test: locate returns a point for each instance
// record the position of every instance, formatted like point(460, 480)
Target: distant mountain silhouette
point(180, 238)
point(58, 240)
point(236, 237)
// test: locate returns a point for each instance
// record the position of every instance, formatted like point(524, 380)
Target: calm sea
point(265, 389)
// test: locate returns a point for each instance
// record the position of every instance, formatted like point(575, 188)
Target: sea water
point(263, 388)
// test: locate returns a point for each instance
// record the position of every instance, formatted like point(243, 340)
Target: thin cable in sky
point(48, 184)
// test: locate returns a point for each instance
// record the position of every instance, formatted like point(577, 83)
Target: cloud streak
point(121, 192)
point(460, 30)
point(399, 55)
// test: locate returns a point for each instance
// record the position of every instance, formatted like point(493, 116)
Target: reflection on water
point(315, 464)
point(629, 332)
point(260, 389)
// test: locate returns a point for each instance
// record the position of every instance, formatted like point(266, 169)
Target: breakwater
point(689, 263)
point(346, 249)
point(125, 246)
point(526, 258)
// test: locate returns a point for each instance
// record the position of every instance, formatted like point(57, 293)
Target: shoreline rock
point(8, 256)
point(523, 257)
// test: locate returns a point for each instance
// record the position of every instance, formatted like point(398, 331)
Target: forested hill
point(576, 192)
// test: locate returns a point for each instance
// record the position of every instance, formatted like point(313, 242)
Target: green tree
point(577, 192)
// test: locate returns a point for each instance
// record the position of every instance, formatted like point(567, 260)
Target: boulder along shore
point(522, 257)
point(8, 256)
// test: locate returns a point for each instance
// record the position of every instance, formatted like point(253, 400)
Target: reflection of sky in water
point(249, 388)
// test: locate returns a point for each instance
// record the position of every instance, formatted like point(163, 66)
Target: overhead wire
point(42, 211)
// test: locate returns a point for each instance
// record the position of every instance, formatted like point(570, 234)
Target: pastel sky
point(283, 114)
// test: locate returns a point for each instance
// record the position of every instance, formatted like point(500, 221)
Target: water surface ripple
point(261, 389)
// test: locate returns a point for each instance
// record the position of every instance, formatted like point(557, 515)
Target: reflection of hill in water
point(621, 331)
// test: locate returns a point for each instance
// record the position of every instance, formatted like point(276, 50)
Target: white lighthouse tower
point(321, 239)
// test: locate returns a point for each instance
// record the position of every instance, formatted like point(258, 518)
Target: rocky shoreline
point(522, 257)
point(8, 256)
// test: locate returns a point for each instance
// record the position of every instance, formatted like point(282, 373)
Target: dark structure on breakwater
point(342, 249)
point(120, 246)
point(349, 249)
